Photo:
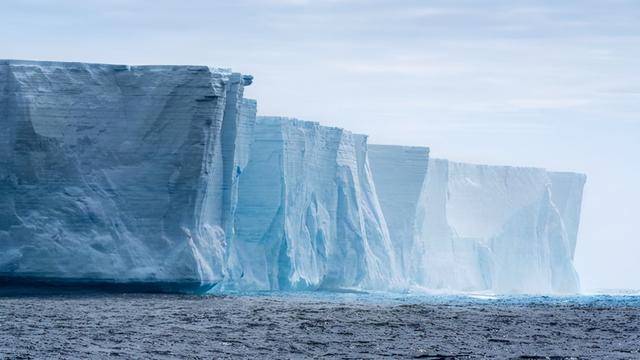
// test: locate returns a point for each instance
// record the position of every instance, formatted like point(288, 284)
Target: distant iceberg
point(162, 178)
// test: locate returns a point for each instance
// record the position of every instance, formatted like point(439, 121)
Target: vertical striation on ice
point(308, 215)
point(116, 173)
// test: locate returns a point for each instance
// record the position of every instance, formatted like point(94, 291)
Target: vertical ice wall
point(399, 173)
point(115, 173)
point(485, 228)
point(567, 196)
point(307, 214)
point(504, 224)
point(450, 262)
point(244, 139)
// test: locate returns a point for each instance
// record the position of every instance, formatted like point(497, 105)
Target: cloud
point(431, 12)
point(622, 91)
point(403, 66)
point(546, 104)
point(299, 2)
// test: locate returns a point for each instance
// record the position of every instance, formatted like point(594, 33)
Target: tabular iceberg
point(162, 178)
point(117, 173)
point(482, 228)
point(308, 215)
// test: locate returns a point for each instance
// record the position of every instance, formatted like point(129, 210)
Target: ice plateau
point(162, 178)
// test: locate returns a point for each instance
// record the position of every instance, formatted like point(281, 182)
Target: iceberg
point(478, 228)
point(118, 174)
point(307, 215)
point(162, 178)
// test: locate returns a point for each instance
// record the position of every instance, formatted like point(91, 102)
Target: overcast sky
point(554, 84)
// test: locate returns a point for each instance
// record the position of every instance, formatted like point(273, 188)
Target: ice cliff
point(118, 173)
point(480, 228)
point(399, 173)
point(308, 216)
point(162, 178)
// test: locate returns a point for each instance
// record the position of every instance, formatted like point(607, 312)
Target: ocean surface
point(316, 325)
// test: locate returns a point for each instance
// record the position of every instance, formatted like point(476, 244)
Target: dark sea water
point(316, 325)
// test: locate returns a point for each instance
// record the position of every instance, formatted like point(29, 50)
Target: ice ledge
point(410, 148)
point(225, 73)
